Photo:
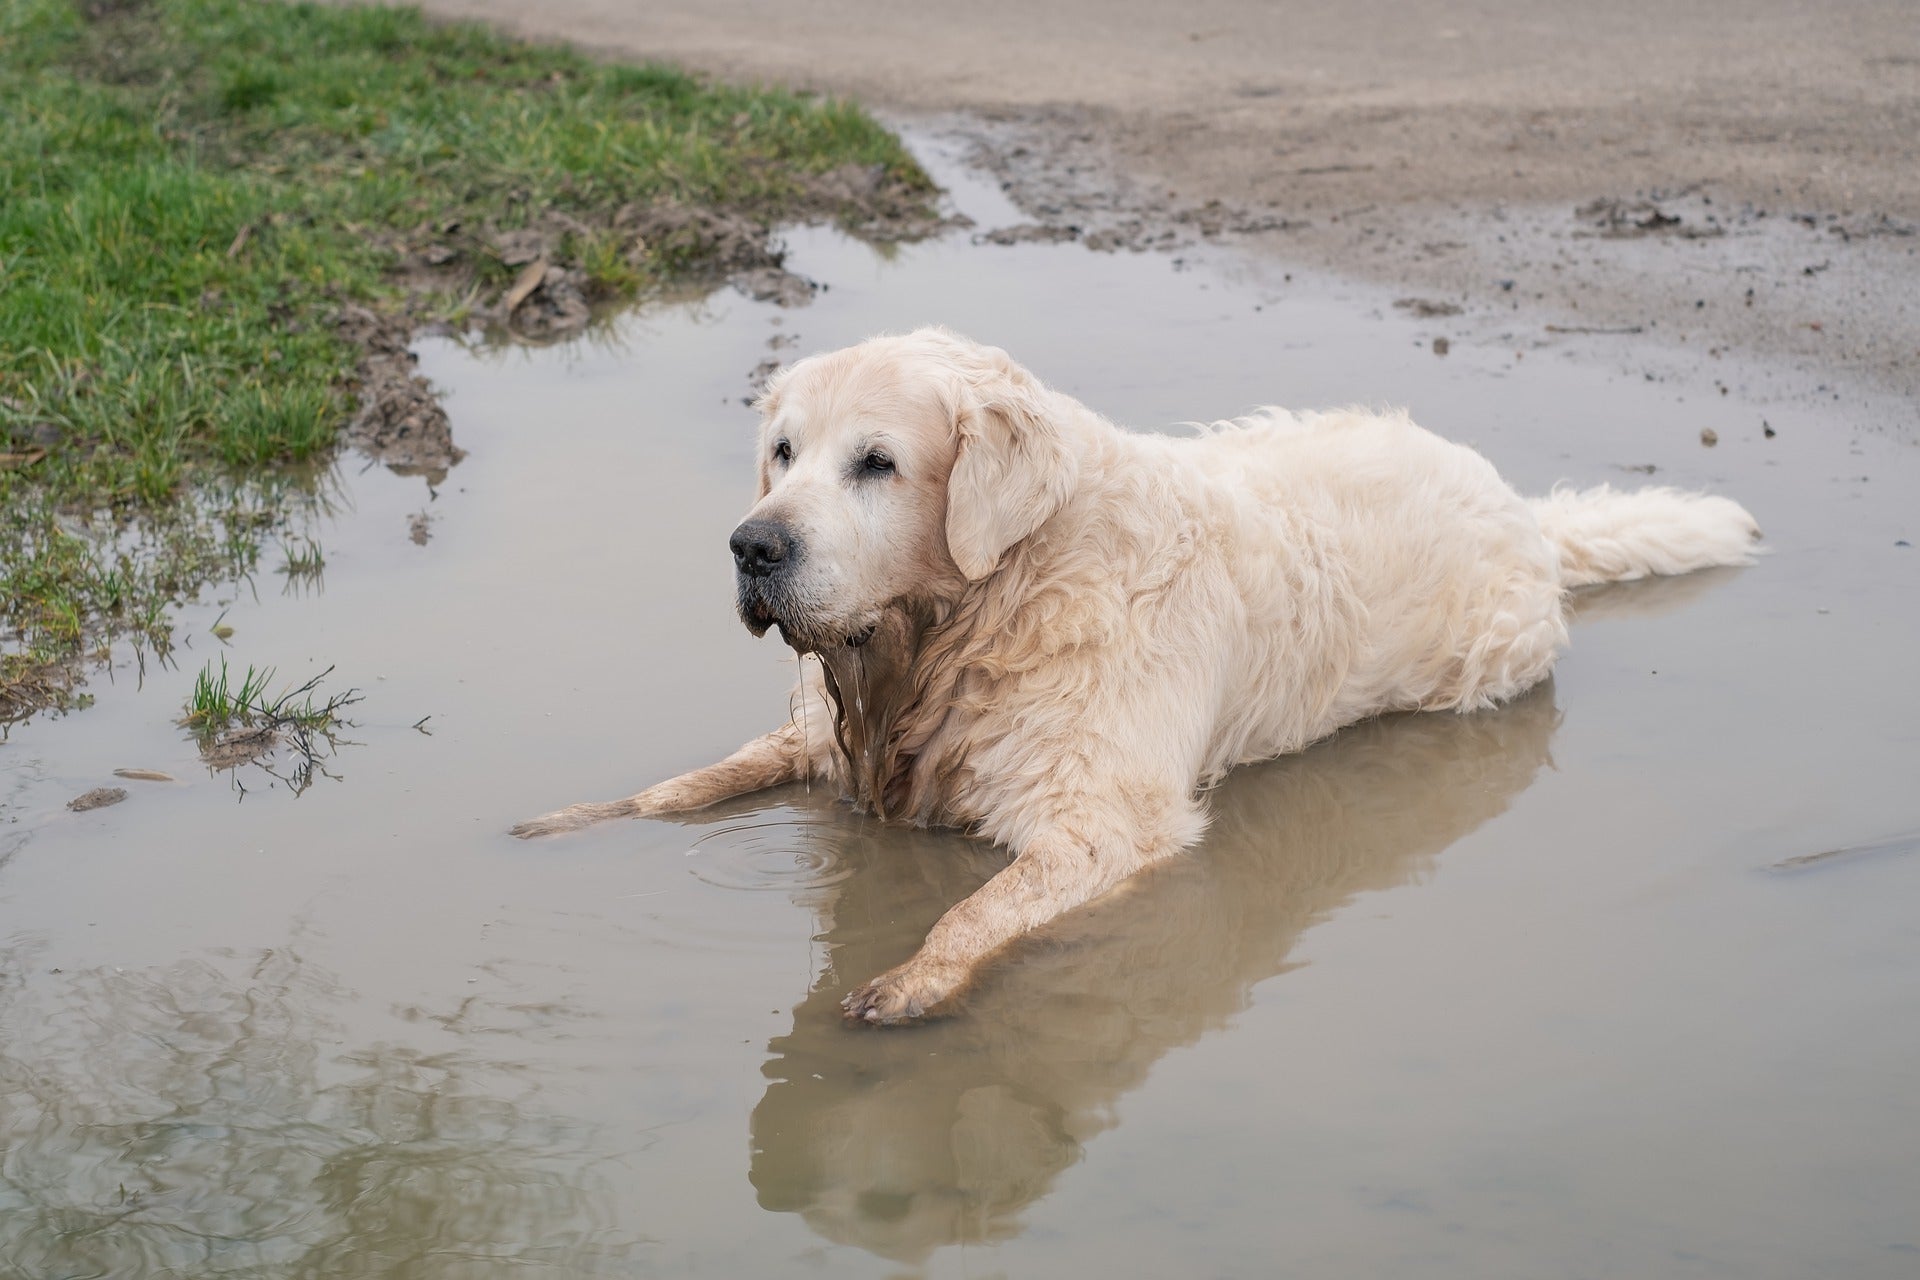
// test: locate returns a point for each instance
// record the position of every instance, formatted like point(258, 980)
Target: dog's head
point(893, 472)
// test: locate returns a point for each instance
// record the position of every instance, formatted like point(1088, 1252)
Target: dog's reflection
point(903, 1141)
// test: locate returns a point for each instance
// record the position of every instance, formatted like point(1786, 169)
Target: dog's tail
point(1603, 535)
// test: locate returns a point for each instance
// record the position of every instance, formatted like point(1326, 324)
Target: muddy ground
point(1717, 174)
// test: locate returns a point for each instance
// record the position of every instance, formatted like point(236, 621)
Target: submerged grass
point(193, 192)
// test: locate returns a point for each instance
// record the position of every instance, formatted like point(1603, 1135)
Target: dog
point(1056, 635)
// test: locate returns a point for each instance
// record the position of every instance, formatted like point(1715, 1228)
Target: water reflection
point(900, 1142)
point(200, 1120)
point(1646, 598)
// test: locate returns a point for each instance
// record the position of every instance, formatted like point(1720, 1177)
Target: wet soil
point(1563, 986)
point(1752, 166)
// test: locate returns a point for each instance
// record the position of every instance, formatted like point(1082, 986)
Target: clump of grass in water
point(240, 723)
point(218, 704)
point(215, 704)
point(192, 192)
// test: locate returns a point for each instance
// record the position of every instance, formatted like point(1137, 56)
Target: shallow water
point(1522, 993)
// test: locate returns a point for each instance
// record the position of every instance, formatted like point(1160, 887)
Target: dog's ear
point(1014, 468)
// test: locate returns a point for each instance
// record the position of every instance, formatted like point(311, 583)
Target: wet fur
point(1072, 630)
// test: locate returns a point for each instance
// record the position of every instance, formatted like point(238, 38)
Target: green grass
point(218, 704)
point(240, 724)
point(191, 191)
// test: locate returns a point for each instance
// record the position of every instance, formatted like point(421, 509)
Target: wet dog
point(1055, 634)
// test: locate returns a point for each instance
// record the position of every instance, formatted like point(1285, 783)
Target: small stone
point(1709, 437)
point(1441, 346)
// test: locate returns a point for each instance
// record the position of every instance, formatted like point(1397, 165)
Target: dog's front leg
point(779, 757)
point(1056, 872)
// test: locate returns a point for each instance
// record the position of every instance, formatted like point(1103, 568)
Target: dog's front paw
point(571, 818)
point(905, 994)
point(547, 824)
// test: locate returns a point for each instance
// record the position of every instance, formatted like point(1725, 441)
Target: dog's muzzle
point(764, 553)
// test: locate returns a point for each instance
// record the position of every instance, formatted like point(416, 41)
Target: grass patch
point(214, 213)
point(218, 704)
point(241, 723)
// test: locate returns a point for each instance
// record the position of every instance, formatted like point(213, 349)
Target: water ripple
point(782, 854)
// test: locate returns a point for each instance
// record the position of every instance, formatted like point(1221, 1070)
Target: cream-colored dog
point(1055, 634)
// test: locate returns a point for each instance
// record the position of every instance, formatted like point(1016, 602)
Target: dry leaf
point(523, 285)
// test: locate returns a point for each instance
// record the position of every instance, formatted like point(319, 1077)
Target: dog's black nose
point(759, 547)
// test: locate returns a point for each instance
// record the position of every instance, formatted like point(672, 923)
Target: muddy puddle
point(1560, 989)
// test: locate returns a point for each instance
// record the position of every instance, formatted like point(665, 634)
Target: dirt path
point(1715, 172)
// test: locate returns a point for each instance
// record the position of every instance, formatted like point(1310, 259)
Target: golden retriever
point(1055, 634)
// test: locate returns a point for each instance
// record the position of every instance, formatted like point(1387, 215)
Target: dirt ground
point(1712, 172)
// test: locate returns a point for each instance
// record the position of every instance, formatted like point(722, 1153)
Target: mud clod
point(400, 422)
point(98, 798)
point(553, 304)
point(777, 285)
point(688, 237)
point(870, 204)
point(519, 247)
point(236, 747)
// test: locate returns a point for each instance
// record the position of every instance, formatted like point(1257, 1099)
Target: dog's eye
point(877, 463)
point(782, 451)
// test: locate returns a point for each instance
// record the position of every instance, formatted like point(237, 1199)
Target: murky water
point(1522, 993)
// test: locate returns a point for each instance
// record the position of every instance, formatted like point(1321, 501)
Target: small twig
point(1581, 328)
